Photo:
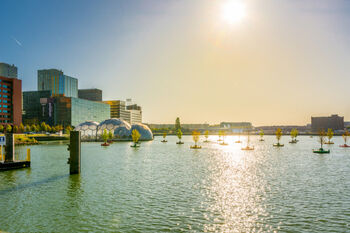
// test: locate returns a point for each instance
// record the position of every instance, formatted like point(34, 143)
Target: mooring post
point(74, 149)
point(9, 148)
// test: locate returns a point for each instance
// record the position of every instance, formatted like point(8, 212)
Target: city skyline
point(279, 63)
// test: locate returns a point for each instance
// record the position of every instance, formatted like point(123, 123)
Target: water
point(168, 187)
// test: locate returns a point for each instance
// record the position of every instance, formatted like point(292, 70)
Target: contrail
point(17, 41)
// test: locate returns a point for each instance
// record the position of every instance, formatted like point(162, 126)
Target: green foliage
point(177, 124)
point(110, 135)
point(1, 128)
point(322, 137)
point(195, 136)
point(43, 127)
point(261, 133)
point(105, 135)
point(135, 135)
point(8, 128)
point(15, 129)
point(346, 136)
point(294, 133)
point(21, 127)
point(164, 134)
point(206, 134)
point(179, 134)
point(69, 128)
point(330, 134)
point(278, 134)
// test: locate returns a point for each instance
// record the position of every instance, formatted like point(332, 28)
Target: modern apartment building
point(334, 122)
point(93, 94)
point(118, 109)
point(57, 82)
point(10, 95)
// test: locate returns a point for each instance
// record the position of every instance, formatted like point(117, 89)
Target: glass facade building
point(118, 110)
point(34, 110)
point(10, 101)
point(90, 94)
point(57, 82)
point(8, 71)
point(73, 111)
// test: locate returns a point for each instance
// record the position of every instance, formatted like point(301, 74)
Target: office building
point(10, 95)
point(34, 110)
point(8, 71)
point(334, 122)
point(90, 94)
point(135, 113)
point(61, 110)
point(57, 82)
point(118, 110)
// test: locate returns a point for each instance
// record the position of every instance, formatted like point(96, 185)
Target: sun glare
point(233, 11)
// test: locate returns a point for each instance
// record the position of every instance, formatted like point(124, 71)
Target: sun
point(233, 11)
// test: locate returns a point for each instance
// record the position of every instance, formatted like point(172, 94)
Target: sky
point(271, 62)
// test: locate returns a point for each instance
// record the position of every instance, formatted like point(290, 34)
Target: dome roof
point(119, 127)
point(88, 129)
point(144, 130)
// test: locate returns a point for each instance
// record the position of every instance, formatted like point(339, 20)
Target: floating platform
point(345, 145)
point(196, 147)
point(278, 145)
point(179, 143)
point(247, 148)
point(4, 166)
point(321, 151)
point(164, 141)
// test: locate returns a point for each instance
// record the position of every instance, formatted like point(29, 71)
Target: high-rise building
point(334, 122)
point(135, 113)
point(90, 94)
point(118, 110)
point(10, 95)
point(57, 82)
point(8, 71)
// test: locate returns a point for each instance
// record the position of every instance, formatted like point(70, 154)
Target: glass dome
point(88, 129)
point(146, 133)
point(119, 127)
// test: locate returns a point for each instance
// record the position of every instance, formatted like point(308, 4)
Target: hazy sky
point(280, 63)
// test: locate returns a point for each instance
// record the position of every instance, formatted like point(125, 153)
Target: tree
point(105, 136)
point(346, 137)
point(294, 134)
point(48, 128)
point(69, 128)
point(179, 135)
point(27, 128)
point(278, 135)
point(330, 135)
point(261, 133)
point(206, 135)
point(195, 136)
point(1, 128)
point(110, 135)
point(135, 135)
point(164, 136)
point(43, 127)
point(21, 127)
point(8, 128)
point(177, 124)
point(322, 138)
point(15, 129)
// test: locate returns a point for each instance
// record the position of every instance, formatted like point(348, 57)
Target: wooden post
point(9, 147)
point(74, 149)
point(28, 154)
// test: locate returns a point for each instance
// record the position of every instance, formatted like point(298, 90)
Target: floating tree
point(294, 134)
point(278, 137)
point(179, 135)
point(223, 134)
point(345, 137)
point(135, 135)
point(164, 136)
point(322, 140)
point(206, 135)
point(110, 136)
point(261, 133)
point(248, 143)
point(220, 135)
point(330, 135)
point(105, 138)
point(195, 136)
point(239, 137)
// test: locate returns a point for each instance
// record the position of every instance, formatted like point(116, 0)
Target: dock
point(4, 166)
